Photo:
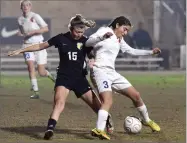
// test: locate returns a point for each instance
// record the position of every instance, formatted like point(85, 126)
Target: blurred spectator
point(142, 38)
point(129, 40)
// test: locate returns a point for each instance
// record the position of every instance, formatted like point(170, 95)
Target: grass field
point(25, 120)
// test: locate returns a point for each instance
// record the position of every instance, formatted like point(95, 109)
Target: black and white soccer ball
point(132, 125)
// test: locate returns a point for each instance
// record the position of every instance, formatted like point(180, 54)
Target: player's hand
point(13, 53)
point(28, 34)
point(107, 35)
point(156, 51)
point(20, 34)
point(91, 63)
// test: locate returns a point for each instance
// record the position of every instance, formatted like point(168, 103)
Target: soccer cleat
point(48, 134)
point(35, 95)
point(100, 134)
point(109, 125)
point(154, 126)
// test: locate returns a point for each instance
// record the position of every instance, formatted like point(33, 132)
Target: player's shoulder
point(66, 34)
point(35, 15)
point(60, 35)
point(57, 37)
point(20, 20)
point(104, 28)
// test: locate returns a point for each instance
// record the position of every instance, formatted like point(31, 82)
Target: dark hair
point(121, 20)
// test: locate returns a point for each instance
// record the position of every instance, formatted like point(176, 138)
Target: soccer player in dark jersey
point(70, 75)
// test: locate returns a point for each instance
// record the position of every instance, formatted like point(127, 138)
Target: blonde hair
point(79, 19)
point(25, 1)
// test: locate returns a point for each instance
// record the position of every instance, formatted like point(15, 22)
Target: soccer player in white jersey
point(31, 27)
point(107, 42)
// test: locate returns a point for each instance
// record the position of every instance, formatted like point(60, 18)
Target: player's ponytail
point(89, 23)
point(78, 19)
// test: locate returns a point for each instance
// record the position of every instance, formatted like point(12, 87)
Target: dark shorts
point(78, 85)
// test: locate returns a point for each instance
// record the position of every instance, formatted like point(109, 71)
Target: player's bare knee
point(59, 103)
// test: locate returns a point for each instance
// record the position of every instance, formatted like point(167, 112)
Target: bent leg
point(61, 94)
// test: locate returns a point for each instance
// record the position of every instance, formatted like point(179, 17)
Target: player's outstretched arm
point(99, 36)
point(36, 47)
point(92, 41)
point(137, 52)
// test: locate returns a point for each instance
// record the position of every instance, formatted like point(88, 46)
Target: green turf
point(162, 80)
point(164, 96)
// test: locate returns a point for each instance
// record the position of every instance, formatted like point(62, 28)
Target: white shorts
point(39, 56)
point(107, 79)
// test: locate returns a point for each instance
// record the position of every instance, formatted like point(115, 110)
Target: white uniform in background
point(106, 51)
point(27, 24)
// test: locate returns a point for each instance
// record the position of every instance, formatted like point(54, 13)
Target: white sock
point(102, 118)
point(34, 84)
point(143, 112)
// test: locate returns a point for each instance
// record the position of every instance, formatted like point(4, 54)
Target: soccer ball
point(132, 125)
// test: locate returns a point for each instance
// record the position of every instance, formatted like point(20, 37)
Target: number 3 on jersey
point(72, 56)
point(27, 55)
point(105, 84)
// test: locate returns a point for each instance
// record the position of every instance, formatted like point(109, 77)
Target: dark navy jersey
point(72, 54)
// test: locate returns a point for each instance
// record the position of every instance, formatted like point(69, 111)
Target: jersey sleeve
point(100, 32)
point(54, 41)
point(96, 37)
point(125, 48)
point(40, 21)
point(89, 52)
point(19, 21)
point(20, 28)
point(91, 55)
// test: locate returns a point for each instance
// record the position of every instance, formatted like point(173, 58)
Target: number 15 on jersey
point(72, 56)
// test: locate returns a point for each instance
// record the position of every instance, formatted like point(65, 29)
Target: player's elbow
point(45, 29)
point(89, 43)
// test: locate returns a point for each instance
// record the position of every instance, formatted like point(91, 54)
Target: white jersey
point(107, 50)
point(32, 22)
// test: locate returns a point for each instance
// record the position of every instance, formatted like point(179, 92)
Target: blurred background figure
point(31, 28)
point(142, 38)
